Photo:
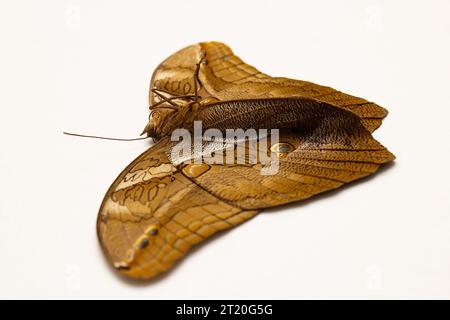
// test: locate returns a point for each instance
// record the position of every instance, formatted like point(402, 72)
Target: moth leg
point(172, 106)
point(197, 82)
point(174, 96)
point(158, 91)
point(163, 97)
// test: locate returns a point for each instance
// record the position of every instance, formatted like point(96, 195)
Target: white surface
point(85, 66)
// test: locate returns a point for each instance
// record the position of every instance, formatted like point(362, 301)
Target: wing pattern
point(153, 214)
point(227, 77)
point(157, 209)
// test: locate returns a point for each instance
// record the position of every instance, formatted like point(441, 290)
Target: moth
point(158, 209)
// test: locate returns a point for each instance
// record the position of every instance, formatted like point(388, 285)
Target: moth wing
point(227, 77)
point(153, 214)
point(156, 211)
point(326, 148)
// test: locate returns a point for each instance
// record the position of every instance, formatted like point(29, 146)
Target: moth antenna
point(104, 138)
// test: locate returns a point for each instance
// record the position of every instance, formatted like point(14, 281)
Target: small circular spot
point(143, 243)
point(152, 230)
point(282, 148)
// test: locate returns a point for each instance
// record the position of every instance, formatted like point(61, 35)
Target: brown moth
point(157, 209)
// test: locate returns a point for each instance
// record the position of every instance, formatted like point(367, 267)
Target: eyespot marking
point(282, 149)
point(143, 243)
point(152, 230)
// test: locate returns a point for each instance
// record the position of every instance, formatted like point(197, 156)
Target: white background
point(85, 66)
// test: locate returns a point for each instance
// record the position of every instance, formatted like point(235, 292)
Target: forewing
point(328, 148)
point(153, 214)
point(227, 77)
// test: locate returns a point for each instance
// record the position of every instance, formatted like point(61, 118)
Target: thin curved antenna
point(103, 138)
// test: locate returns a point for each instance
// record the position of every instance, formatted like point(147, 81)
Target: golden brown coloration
point(157, 209)
point(227, 77)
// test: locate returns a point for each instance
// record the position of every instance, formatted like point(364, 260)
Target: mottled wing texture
point(330, 147)
point(157, 209)
point(153, 214)
point(227, 77)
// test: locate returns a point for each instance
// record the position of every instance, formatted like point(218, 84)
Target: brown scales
point(156, 210)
